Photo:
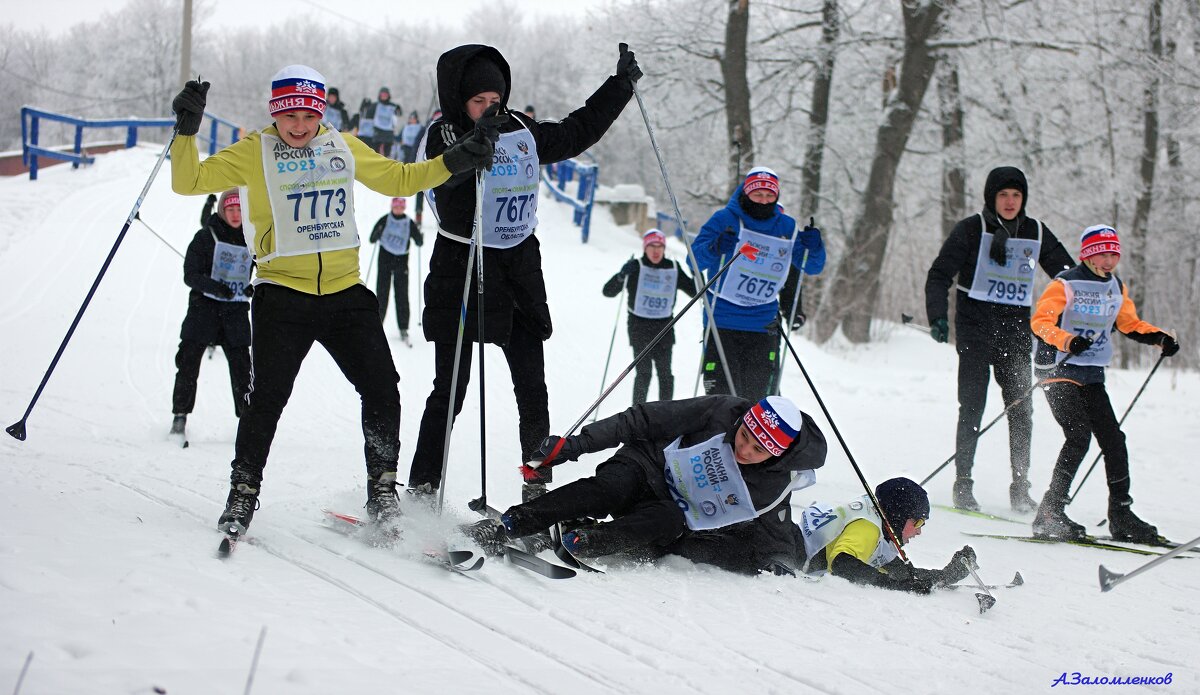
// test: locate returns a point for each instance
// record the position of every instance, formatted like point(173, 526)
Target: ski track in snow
point(107, 570)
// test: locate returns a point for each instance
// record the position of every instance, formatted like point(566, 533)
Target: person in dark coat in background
point(217, 269)
point(473, 89)
point(684, 467)
point(993, 255)
point(335, 112)
point(652, 283)
point(383, 116)
point(393, 232)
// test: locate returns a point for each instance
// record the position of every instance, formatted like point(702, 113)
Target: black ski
point(565, 555)
point(1086, 542)
point(1159, 542)
point(980, 515)
point(228, 543)
point(522, 552)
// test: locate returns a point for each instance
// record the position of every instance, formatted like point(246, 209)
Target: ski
point(455, 560)
point(560, 550)
point(228, 543)
point(1159, 542)
point(980, 515)
point(522, 552)
point(1017, 580)
point(1087, 542)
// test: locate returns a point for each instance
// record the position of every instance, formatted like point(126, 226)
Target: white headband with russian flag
point(297, 87)
point(774, 421)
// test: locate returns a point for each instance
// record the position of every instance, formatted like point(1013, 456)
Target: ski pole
point(611, 342)
point(1010, 406)
point(1109, 579)
point(17, 429)
point(458, 342)
point(420, 282)
point(792, 320)
point(908, 321)
point(262, 636)
point(371, 264)
point(687, 245)
point(481, 502)
point(1119, 423)
point(887, 527)
point(703, 350)
point(138, 217)
point(746, 250)
point(986, 600)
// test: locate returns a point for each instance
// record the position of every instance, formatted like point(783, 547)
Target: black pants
point(285, 325)
point(619, 488)
point(393, 275)
point(526, 364)
point(641, 332)
point(1013, 371)
point(1083, 411)
point(187, 365)
point(752, 358)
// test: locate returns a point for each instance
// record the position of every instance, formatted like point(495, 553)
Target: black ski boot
point(964, 498)
point(179, 424)
point(239, 509)
point(489, 534)
point(382, 503)
point(1018, 495)
point(1124, 525)
point(594, 541)
point(1052, 523)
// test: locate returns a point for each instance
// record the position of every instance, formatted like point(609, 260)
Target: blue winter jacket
point(716, 244)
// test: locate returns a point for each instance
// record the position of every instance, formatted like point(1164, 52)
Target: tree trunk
point(737, 89)
point(1135, 248)
point(814, 154)
point(857, 281)
point(954, 155)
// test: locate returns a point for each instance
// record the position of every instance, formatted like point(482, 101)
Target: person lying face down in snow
point(683, 467)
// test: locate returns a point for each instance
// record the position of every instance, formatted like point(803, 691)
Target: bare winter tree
point(737, 88)
point(856, 283)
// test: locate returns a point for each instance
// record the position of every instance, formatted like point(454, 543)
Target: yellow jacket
point(241, 164)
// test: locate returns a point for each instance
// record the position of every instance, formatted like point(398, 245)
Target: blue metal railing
point(557, 176)
point(31, 149)
point(668, 225)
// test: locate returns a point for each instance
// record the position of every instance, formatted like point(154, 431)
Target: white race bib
point(408, 136)
point(1011, 283)
point(510, 191)
point(655, 298)
point(311, 190)
point(385, 116)
point(1091, 310)
point(395, 236)
point(756, 282)
point(231, 267)
point(333, 118)
point(705, 482)
point(821, 523)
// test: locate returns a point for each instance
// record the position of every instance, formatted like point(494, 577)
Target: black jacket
point(513, 283)
point(644, 430)
point(208, 321)
point(628, 277)
point(978, 321)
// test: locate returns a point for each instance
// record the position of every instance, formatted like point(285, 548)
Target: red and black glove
point(552, 451)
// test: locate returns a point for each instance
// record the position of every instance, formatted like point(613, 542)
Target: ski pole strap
point(747, 250)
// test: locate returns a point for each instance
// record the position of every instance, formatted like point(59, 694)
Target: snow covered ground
point(107, 567)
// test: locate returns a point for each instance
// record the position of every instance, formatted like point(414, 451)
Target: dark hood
point(1005, 177)
point(449, 77)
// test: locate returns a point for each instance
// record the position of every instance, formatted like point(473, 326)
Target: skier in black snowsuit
point(472, 79)
point(684, 467)
point(651, 304)
point(393, 232)
point(993, 254)
point(218, 307)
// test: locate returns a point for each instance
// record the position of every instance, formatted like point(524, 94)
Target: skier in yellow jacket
point(297, 190)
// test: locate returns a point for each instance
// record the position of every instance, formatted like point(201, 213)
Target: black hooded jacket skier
point(513, 281)
point(644, 430)
point(208, 321)
point(979, 321)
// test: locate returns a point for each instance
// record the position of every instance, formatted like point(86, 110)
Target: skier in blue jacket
point(746, 300)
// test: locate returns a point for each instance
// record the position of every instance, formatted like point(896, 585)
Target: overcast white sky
point(57, 15)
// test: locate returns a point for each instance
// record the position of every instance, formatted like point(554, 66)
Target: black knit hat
point(481, 75)
point(902, 499)
point(332, 92)
point(1004, 177)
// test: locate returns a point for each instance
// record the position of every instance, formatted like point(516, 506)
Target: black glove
point(1079, 345)
point(798, 320)
point(224, 291)
point(364, 104)
point(473, 152)
point(915, 585)
point(998, 252)
point(209, 202)
point(628, 268)
point(939, 330)
point(1170, 346)
point(188, 106)
point(955, 570)
point(491, 120)
point(571, 450)
point(627, 67)
point(248, 291)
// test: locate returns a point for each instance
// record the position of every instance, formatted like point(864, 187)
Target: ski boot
point(1051, 522)
point(594, 541)
point(964, 498)
point(1018, 495)
point(383, 505)
point(404, 338)
point(179, 424)
point(488, 534)
point(1124, 525)
point(239, 509)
